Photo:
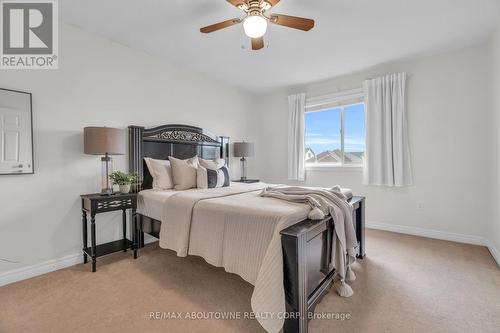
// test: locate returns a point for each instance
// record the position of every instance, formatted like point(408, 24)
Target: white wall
point(99, 83)
point(447, 114)
point(102, 83)
point(494, 228)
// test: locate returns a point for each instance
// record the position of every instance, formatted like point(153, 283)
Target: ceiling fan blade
point(272, 2)
point(293, 22)
point(220, 25)
point(236, 3)
point(257, 43)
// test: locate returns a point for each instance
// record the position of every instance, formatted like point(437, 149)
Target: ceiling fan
point(255, 20)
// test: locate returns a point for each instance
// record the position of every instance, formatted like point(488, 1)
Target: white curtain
point(296, 136)
point(387, 160)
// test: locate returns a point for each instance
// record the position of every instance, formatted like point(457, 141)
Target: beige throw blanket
point(324, 202)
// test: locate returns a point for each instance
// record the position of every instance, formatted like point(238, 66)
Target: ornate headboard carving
point(181, 141)
point(180, 134)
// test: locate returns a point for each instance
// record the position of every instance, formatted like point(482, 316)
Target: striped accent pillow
point(210, 178)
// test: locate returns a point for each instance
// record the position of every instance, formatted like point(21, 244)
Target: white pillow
point(184, 172)
point(212, 164)
point(201, 177)
point(161, 171)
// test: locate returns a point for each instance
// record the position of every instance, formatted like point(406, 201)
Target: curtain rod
point(371, 78)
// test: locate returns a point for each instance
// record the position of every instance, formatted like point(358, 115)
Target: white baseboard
point(74, 259)
point(39, 269)
point(437, 234)
point(494, 252)
point(52, 265)
point(429, 233)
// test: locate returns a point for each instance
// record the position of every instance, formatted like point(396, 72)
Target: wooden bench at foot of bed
point(308, 273)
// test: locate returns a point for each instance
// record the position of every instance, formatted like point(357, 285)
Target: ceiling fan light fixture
point(255, 26)
point(256, 19)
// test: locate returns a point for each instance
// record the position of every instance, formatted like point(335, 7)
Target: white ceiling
point(349, 35)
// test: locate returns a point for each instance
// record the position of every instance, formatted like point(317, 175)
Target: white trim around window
point(346, 97)
point(336, 167)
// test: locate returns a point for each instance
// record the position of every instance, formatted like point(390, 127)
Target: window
point(335, 136)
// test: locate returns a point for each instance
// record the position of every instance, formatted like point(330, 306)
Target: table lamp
point(243, 149)
point(104, 141)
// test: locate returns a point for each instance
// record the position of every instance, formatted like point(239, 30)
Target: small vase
point(124, 188)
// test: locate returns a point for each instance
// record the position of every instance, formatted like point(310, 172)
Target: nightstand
point(94, 204)
point(247, 181)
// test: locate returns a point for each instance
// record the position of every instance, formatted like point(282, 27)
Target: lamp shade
point(103, 140)
point(243, 149)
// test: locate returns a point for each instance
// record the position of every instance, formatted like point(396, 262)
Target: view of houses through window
point(335, 136)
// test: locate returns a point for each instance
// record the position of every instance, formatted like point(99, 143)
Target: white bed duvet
point(150, 202)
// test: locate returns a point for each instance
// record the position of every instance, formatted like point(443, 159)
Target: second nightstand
point(96, 203)
point(246, 181)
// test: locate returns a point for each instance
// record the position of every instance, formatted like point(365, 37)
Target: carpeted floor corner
point(406, 284)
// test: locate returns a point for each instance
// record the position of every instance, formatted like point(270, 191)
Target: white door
point(15, 134)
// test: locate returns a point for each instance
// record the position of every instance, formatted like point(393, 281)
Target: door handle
point(18, 166)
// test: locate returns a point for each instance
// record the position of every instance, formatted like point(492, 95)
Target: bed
point(236, 229)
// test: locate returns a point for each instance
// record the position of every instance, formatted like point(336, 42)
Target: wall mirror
point(16, 133)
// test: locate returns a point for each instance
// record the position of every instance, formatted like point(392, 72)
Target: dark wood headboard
point(180, 141)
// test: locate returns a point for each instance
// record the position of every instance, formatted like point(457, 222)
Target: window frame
point(341, 165)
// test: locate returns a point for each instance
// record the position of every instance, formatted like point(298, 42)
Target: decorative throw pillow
point(210, 178)
point(161, 171)
point(184, 172)
point(212, 164)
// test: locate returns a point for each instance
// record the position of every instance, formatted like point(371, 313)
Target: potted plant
point(123, 180)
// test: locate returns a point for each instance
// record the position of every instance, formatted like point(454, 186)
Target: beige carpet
point(406, 284)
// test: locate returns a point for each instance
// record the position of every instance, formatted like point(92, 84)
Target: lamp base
point(243, 169)
point(106, 171)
